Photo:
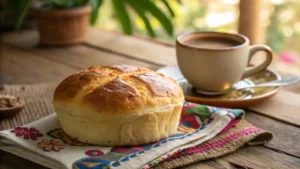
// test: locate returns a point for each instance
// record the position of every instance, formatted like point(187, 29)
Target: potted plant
point(62, 22)
point(65, 22)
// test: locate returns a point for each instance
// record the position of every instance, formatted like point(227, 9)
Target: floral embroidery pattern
point(58, 133)
point(94, 153)
point(50, 145)
point(27, 133)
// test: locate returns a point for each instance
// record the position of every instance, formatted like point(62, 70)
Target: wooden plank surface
point(285, 106)
point(25, 67)
point(25, 61)
point(65, 60)
point(143, 50)
point(79, 56)
point(254, 157)
point(286, 137)
point(10, 161)
point(82, 57)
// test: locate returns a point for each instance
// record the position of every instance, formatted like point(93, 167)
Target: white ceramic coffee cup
point(217, 69)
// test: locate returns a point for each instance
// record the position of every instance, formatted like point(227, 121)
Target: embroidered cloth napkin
point(45, 143)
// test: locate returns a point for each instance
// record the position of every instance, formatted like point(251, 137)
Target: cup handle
point(255, 69)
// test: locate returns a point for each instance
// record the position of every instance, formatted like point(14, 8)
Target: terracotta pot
point(62, 27)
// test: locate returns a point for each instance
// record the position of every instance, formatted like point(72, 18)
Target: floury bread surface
point(118, 105)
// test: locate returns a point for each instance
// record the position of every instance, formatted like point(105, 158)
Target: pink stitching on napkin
point(216, 144)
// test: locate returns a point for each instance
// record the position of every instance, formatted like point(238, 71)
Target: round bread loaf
point(118, 105)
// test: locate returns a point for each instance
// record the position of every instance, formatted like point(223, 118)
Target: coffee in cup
point(211, 43)
point(214, 61)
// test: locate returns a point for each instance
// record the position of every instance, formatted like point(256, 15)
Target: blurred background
point(279, 24)
point(272, 22)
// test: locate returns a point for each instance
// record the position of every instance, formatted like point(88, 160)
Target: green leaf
point(23, 15)
point(95, 6)
point(168, 7)
point(13, 5)
point(158, 14)
point(78, 3)
point(61, 4)
point(122, 15)
point(141, 12)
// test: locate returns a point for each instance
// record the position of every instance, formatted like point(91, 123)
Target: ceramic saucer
point(232, 99)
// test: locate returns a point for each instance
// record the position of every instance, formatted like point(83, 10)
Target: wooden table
point(23, 61)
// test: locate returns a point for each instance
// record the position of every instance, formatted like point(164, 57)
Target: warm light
point(287, 15)
point(297, 27)
point(276, 1)
point(264, 14)
point(198, 22)
point(288, 31)
point(215, 20)
point(230, 1)
point(226, 86)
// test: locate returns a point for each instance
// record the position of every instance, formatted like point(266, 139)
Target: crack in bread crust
point(118, 89)
point(104, 98)
point(160, 85)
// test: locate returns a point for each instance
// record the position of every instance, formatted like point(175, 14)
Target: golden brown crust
point(160, 85)
point(72, 85)
point(105, 98)
point(118, 89)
